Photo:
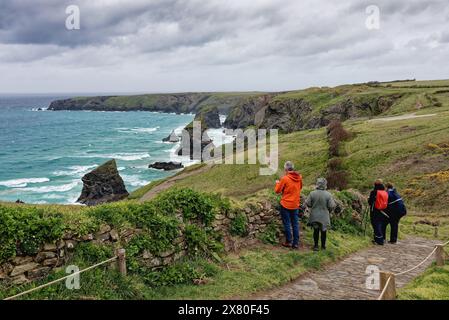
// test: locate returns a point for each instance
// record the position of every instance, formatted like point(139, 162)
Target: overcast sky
point(217, 45)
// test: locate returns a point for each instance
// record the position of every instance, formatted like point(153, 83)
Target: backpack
point(396, 204)
point(381, 200)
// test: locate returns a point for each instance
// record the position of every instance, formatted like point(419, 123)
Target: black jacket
point(373, 195)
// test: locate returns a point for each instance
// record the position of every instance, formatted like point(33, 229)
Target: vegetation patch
point(239, 225)
point(432, 285)
point(337, 177)
point(271, 234)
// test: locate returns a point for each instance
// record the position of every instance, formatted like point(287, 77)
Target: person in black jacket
point(378, 218)
point(396, 210)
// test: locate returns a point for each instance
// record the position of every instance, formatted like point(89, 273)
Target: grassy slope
point(432, 285)
point(397, 151)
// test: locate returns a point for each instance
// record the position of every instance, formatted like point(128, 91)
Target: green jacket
point(321, 204)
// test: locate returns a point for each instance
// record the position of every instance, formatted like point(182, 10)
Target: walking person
point(321, 204)
point(290, 187)
point(378, 202)
point(396, 210)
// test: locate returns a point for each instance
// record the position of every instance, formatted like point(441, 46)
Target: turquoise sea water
point(44, 154)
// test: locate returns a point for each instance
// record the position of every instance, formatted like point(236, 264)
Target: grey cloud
point(157, 38)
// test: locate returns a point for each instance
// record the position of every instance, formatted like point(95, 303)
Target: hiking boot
point(316, 249)
point(295, 246)
point(287, 245)
point(323, 248)
point(393, 242)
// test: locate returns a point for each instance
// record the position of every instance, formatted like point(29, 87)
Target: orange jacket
point(290, 186)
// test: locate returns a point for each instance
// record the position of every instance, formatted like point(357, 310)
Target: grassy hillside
point(412, 154)
point(179, 102)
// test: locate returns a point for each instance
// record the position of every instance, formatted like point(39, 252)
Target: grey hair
point(321, 184)
point(289, 166)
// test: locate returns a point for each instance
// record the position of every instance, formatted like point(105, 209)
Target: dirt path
point(403, 117)
point(171, 182)
point(346, 279)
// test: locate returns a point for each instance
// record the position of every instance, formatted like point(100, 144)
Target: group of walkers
point(386, 208)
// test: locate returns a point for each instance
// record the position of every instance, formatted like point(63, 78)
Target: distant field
point(433, 83)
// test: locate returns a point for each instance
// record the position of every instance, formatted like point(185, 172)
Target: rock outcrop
point(172, 138)
point(209, 117)
point(103, 185)
point(166, 166)
point(293, 114)
point(248, 112)
point(189, 141)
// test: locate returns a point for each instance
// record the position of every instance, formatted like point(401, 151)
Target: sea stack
point(103, 185)
point(172, 138)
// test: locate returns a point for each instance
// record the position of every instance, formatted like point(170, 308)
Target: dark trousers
point(394, 229)
point(379, 222)
point(316, 237)
point(290, 219)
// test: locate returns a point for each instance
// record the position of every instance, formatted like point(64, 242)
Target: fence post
point(121, 261)
point(439, 255)
point(390, 292)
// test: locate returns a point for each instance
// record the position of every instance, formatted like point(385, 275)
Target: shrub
point(91, 253)
point(194, 206)
point(239, 225)
point(25, 229)
point(271, 234)
point(337, 179)
point(335, 164)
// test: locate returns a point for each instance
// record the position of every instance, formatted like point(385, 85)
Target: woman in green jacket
point(321, 203)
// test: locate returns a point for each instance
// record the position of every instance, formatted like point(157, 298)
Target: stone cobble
point(346, 280)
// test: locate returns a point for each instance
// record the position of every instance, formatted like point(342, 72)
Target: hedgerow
point(25, 230)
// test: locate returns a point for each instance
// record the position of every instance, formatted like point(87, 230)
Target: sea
point(44, 154)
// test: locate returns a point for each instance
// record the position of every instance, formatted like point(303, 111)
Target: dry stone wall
point(22, 269)
point(259, 215)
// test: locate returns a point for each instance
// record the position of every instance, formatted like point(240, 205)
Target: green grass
point(259, 269)
point(307, 149)
point(424, 225)
point(409, 153)
point(432, 285)
point(237, 276)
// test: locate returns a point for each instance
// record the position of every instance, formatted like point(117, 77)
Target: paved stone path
point(346, 279)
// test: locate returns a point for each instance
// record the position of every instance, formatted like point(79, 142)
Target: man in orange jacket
point(290, 187)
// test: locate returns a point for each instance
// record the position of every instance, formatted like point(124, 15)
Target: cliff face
point(177, 103)
point(292, 114)
point(248, 112)
point(210, 117)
